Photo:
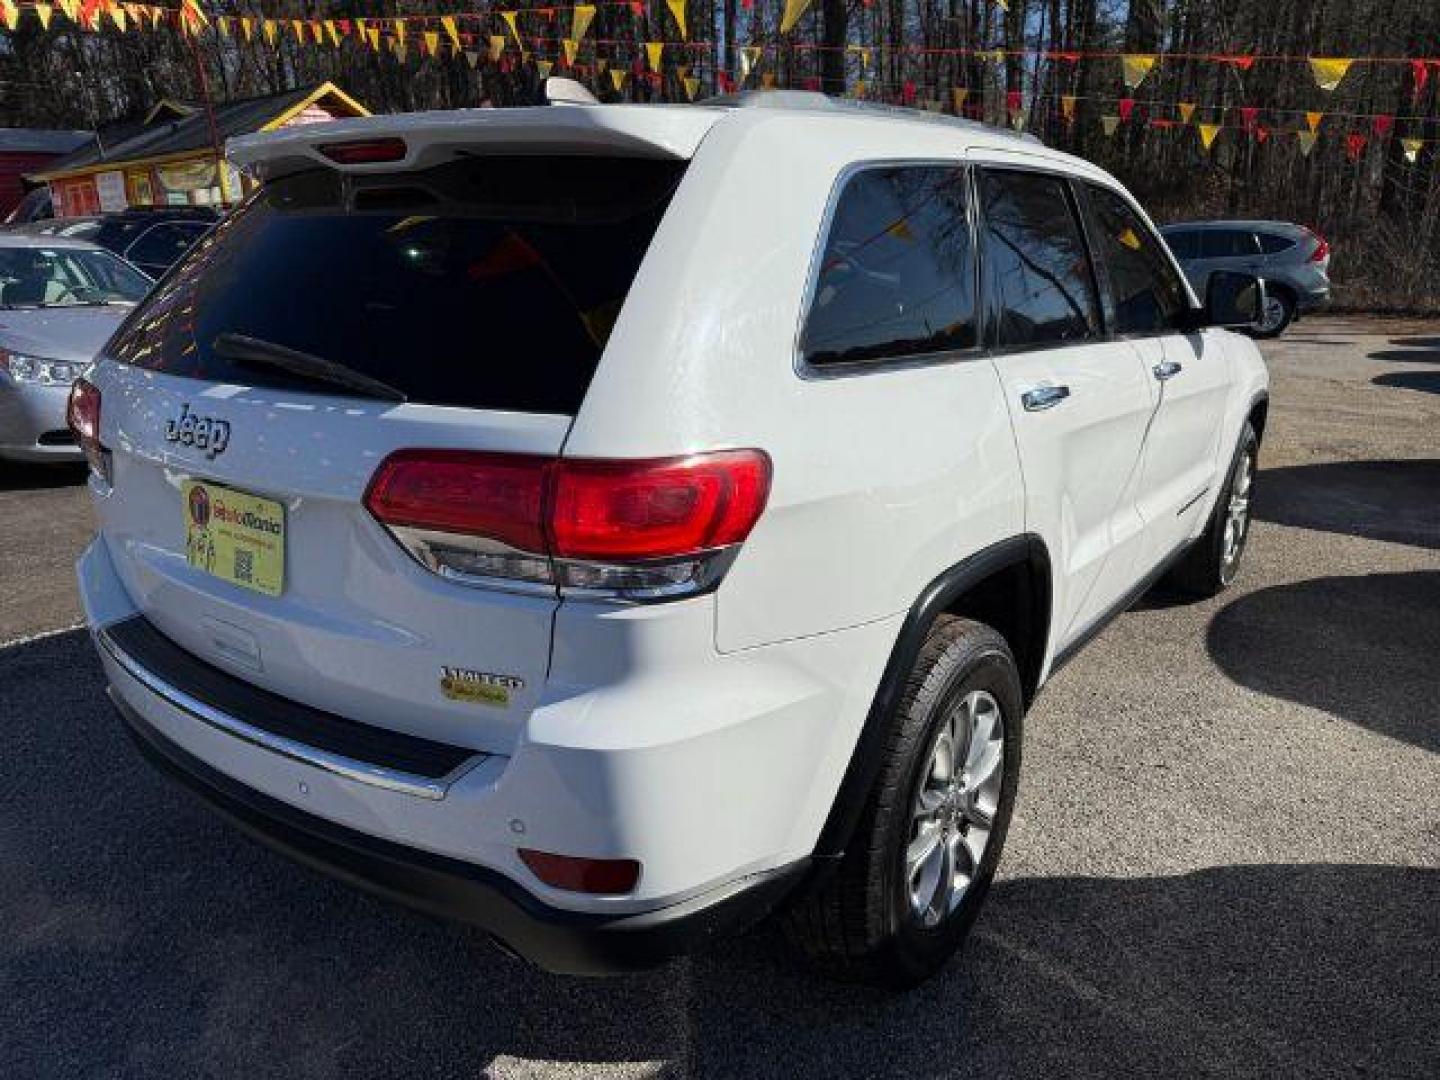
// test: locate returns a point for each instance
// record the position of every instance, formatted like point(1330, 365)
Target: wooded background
point(1379, 209)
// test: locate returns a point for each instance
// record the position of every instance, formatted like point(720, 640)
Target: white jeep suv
point(612, 524)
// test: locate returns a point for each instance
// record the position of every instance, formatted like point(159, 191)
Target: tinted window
point(1227, 244)
point(1185, 245)
point(490, 282)
point(1041, 286)
point(164, 244)
point(65, 277)
point(896, 277)
point(1273, 243)
point(1143, 285)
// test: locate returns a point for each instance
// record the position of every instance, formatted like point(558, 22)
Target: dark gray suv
point(1293, 260)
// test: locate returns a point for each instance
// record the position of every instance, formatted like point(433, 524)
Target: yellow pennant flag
point(43, 12)
point(1313, 119)
point(400, 32)
point(1307, 142)
point(452, 31)
point(1017, 121)
point(749, 57)
point(332, 32)
point(247, 27)
point(373, 35)
point(860, 88)
point(995, 56)
point(400, 50)
point(317, 31)
point(654, 51)
point(1187, 111)
point(581, 19)
point(681, 71)
point(677, 9)
point(71, 8)
point(692, 86)
point(1329, 71)
point(1135, 66)
point(767, 81)
point(544, 66)
point(497, 46)
point(617, 76)
point(9, 14)
point(571, 47)
point(431, 39)
point(1412, 149)
point(117, 16)
point(958, 94)
point(793, 10)
point(299, 28)
point(472, 58)
point(222, 24)
point(268, 27)
point(1109, 123)
point(601, 64)
point(1207, 134)
point(510, 17)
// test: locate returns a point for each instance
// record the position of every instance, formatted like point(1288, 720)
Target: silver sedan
point(60, 300)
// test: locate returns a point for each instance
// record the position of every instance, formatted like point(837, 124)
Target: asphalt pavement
point(1225, 860)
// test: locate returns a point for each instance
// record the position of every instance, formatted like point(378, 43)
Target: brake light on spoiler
point(648, 529)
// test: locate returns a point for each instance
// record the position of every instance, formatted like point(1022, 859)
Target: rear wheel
point(1275, 316)
point(917, 870)
point(1214, 560)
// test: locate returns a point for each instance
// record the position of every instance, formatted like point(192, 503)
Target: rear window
point(488, 283)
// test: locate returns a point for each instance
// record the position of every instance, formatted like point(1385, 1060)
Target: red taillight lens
point(499, 496)
point(656, 509)
point(365, 151)
point(602, 876)
point(643, 529)
point(1322, 249)
point(82, 416)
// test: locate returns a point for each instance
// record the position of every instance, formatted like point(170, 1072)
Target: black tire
point(858, 924)
point(1287, 316)
point(1205, 571)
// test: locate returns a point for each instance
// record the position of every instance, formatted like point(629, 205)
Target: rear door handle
point(1044, 397)
point(1166, 369)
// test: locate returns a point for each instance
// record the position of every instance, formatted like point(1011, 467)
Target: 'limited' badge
point(478, 687)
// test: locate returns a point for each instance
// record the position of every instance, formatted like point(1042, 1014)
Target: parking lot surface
point(1225, 859)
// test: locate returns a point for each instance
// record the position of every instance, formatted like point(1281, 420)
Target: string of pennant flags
point(428, 32)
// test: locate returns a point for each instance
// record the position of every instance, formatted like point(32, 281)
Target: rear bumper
point(1314, 300)
point(568, 942)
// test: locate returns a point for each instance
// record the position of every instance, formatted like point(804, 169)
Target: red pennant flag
point(1382, 125)
point(907, 92)
point(1419, 76)
point(1066, 55)
point(637, 8)
point(344, 25)
point(1248, 116)
point(1261, 133)
point(747, 5)
point(1240, 63)
point(1127, 106)
point(812, 84)
point(1014, 101)
point(549, 13)
point(723, 80)
point(1354, 145)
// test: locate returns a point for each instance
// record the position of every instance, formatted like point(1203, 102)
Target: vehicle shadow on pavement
point(1427, 382)
point(1417, 342)
point(143, 937)
point(1360, 648)
point(1379, 500)
point(1408, 356)
point(15, 477)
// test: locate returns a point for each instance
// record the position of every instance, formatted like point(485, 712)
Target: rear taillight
point(1322, 248)
point(638, 530)
point(364, 151)
point(82, 415)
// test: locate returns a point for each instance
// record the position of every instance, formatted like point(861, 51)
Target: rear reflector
point(364, 151)
point(599, 876)
point(640, 529)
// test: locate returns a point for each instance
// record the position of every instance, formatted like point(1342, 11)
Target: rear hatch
point(334, 319)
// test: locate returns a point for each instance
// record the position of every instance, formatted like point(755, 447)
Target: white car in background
point(59, 301)
point(610, 524)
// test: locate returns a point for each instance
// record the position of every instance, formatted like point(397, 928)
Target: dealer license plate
point(238, 537)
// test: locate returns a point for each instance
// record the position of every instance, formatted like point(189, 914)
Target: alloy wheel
point(1237, 518)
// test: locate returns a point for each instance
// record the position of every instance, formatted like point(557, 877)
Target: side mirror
point(1234, 300)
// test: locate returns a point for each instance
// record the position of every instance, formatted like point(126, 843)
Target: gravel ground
point(1225, 859)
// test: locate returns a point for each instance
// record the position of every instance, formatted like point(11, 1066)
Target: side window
point(1273, 244)
point(164, 244)
point(1185, 245)
point(1038, 273)
point(896, 277)
point(1143, 283)
point(1228, 243)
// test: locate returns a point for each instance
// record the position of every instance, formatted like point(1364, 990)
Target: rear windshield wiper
point(256, 352)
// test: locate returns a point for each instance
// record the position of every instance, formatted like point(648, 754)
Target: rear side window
point(489, 282)
point(163, 244)
point(1144, 286)
point(1227, 244)
point(1274, 243)
point(1041, 286)
point(1185, 245)
point(897, 276)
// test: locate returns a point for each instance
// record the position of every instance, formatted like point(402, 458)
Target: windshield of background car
point(490, 282)
point(66, 277)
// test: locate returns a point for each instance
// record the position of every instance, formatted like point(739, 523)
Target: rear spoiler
point(432, 138)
